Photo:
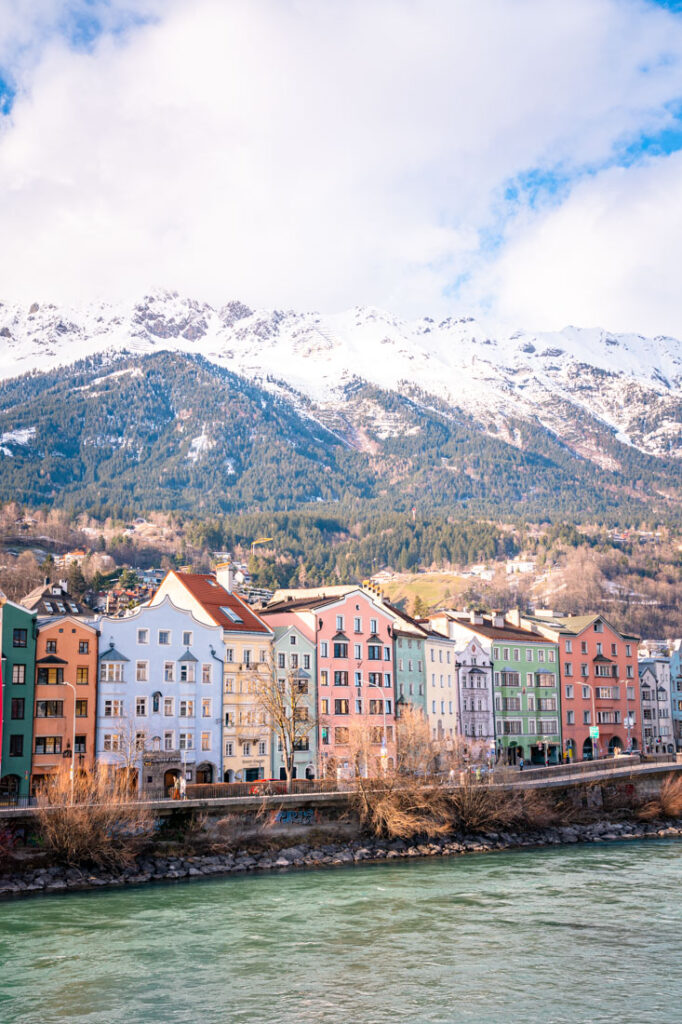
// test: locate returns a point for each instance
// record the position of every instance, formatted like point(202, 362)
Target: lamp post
point(73, 736)
point(590, 687)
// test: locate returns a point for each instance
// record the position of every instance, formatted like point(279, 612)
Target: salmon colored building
point(355, 671)
point(599, 683)
point(65, 704)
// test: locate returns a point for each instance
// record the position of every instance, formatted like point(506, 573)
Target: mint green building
point(18, 639)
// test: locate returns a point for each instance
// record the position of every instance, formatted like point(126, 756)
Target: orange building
point(65, 710)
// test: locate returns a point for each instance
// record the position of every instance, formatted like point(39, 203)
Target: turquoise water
point(563, 936)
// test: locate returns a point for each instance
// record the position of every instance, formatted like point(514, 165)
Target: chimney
point(64, 584)
point(46, 581)
point(224, 574)
point(475, 617)
point(514, 616)
point(498, 620)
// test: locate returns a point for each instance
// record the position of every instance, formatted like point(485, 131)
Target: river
point(560, 936)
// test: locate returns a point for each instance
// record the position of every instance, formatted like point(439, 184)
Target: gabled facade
point(18, 648)
point(655, 696)
point(246, 652)
point(441, 686)
point(526, 686)
point(476, 719)
point(160, 700)
point(64, 711)
point(599, 683)
point(355, 671)
point(295, 662)
point(53, 600)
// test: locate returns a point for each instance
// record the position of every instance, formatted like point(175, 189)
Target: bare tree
point(286, 703)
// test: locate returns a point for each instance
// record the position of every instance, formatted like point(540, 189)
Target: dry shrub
point(481, 808)
point(235, 831)
point(668, 803)
point(400, 801)
point(97, 823)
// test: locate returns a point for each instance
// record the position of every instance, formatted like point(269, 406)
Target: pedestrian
point(183, 788)
point(520, 764)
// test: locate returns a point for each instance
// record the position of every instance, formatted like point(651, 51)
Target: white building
point(657, 725)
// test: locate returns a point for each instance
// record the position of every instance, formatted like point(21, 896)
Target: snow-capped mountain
point(629, 384)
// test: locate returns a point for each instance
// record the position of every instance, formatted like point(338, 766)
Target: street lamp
point(590, 687)
point(73, 736)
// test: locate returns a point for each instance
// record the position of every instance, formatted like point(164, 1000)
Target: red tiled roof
point(214, 599)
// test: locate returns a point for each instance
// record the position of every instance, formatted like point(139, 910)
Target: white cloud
point(309, 154)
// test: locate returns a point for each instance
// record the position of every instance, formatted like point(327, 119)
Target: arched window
point(156, 702)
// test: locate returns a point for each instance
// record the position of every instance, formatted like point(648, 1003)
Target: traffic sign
point(594, 732)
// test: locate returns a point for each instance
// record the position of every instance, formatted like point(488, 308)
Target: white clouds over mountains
point(327, 153)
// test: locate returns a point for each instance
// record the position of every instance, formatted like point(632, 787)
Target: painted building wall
point(161, 693)
point(656, 702)
point(676, 691)
point(476, 718)
point(294, 660)
point(410, 668)
point(18, 672)
point(63, 714)
point(441, 686)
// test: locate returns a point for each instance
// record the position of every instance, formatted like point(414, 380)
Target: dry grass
point(99, 826)
point(668, 803)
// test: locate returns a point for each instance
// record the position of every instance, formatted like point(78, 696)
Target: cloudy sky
point(516, 159)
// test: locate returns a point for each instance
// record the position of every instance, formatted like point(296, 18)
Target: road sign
point(594, 732)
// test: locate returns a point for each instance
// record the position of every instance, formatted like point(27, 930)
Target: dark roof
point(513, 634)
point(50, 659)
point(44, 602)
point(188, 656)
point(601, 659)
point(218, 601)
point(111, 654)
point(300, 604)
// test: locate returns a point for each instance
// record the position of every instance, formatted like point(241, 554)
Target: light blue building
point(159, 700)
point(294, 657)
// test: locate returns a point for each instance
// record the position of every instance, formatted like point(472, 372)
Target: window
point(82, 677)
point(496, 652)
point(168, 706)
point(548, 726)
point(143, 636)
point(81, 708)
point(599, 627)
point(505, 654)
point(51, 646)
point(16, 746)
point(324, 677)
point(375, 679)
point(113, 708)
point(340, 735)
point(629, 671)
point(186, 709)
point(168, 741)
point(530, 679)
point(568, 690)
point(357, 651)
point(583, 647)
point(628, 650)
point(292, 641)
point(246, 749)
point(206, 707)
point(630, 692)
point(19, 675)
point(262, 748)
point(339, 621)
point(19, 637)
point(541, 655)
point(387, 678)
point(169, 671)
point(511, 703)
point(110, 672)
point(614, 650)
point(511, 727)
point(281, 660)
point(357, 625)
point(374, 652)
point(186, 741)
point(340, 679)
point(340, 650)
point(294, 660)
point(187, 638)
point(141, 707)
point(568, 646)
point(229, 654)
point(231, 613)
point(568, 668)
point(586, 693)
point(550, 655)
point(229, 749)
point(324, 706)
point(599, 649)
point(587, 718)
point(358, 706)
point(262, 653)
point(511, 679)
point(53, 745)
point(570, 718)
point(324, 649)
point(529, 653)
point(142, 671)
point(164, 637)
point(206, 674)
point(187, 672)
point(341, 707)
point(83, 646)
point(546, 679)
point(376, 707)
point(17, 711)
point(584, 670)
point(306, 661)
point(373, 625)
point(205, 741)
point(387, 654)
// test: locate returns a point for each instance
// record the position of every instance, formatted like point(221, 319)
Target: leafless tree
point(285, 699)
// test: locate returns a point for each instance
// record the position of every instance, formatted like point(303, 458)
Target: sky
point(515, 160)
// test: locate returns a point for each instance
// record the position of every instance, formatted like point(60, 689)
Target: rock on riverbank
point(171, 868)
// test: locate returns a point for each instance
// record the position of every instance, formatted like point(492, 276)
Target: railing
point(260, 787)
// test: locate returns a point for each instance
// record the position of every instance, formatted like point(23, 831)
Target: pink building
point(353, 638)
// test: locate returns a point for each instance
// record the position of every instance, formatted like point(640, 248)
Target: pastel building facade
point(295, 664)
point(246, 652)
point(656, 699)
point(476, 718)
point(18, 630)
point(676, 691)
point(441, 686)
point(160, 699)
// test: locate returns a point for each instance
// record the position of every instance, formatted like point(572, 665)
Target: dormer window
point(48, 607)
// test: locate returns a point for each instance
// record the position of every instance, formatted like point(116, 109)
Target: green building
point(410, 662)
point(18, 637)
point(525, 687)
